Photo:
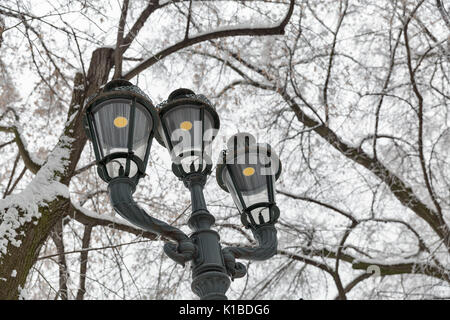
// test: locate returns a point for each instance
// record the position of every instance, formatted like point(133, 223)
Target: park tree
point(353, 95)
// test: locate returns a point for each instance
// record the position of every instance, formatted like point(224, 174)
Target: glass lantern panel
point(113, 167)
point(142, 127)
point(112, 120)
point(251, 180)
point(261, 213)
point(230, 186)
point(209, 133)
point(184, 126)
point(194, 160)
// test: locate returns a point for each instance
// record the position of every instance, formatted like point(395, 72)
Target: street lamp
point(249, 171)
point(121, 122)
point(189, 124)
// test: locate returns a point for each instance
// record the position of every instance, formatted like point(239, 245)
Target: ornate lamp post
point(121, 122)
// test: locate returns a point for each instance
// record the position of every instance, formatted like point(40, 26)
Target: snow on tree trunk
point(26, 219)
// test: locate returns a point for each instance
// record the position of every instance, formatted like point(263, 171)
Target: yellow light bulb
point(186, 125)
point(120, 122)
point(249, 171)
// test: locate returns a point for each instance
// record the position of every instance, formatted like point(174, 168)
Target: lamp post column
point(210, 280)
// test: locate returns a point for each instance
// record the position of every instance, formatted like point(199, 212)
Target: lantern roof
point(116, 89)
point(186, 97)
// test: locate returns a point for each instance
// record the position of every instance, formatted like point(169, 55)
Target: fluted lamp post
point(121, 122)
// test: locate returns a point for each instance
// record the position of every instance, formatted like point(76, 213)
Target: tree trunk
point(21, 254)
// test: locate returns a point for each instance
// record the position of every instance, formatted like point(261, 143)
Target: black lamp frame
point(212, 265)
point(177, 99)
point(117, 90)
point(246, 217)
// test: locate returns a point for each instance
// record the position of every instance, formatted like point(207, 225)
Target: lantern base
point(204, 168)
point(211, 285)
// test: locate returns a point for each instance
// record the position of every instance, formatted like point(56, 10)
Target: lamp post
point(121, 122)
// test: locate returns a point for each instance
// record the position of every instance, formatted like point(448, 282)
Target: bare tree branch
point(186, 34)
point(80, 215)
point(330, 61)
point(84, 261)
point(57, 236)
point(326, 205)
point(118, 52)
point(420, 130)
point(354, 283)
point(29, 162)
point(399, 188)
point(386, 268)
point(229, 32)
point(444, 13)
point(132, 34)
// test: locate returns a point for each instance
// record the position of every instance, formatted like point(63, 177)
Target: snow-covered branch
point(33, 164)
point(402, 267)
point(88, 217)
point(241, 30)
point(405, 266)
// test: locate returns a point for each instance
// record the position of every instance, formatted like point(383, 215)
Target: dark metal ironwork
point(252, 192)
point(213, 267)
point(210, 280)
point(131, 98)
point(187, 142)
point(121, 196)
point(266, 236)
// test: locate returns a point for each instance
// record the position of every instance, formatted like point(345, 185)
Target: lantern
point(189, 124)
point(248, 171)
point(120, 121)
